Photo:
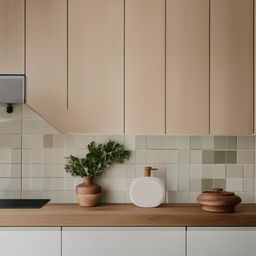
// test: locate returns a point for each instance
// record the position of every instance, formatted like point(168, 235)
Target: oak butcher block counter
point(121, 215)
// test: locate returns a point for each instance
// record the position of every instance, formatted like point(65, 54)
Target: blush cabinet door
point(34, 241)
point(187, 67)
point(123, 241)
point(96, 66)
point(12, 29)
point(231, 64)
point(46, 59)
point(221, 241)
point(145, 66)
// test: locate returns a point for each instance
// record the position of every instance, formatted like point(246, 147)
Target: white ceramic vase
point(147, 191)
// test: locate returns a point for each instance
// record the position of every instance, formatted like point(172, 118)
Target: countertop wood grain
point(107, 215)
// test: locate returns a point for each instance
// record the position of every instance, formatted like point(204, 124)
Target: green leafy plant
point(97, 159)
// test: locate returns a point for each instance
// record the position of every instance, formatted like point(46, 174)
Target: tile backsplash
point(32, 159)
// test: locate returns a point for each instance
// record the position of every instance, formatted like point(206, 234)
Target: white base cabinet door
point(25, 241)
point(123, 241)
point(221, 241)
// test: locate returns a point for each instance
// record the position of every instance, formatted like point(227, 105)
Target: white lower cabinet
point(25, 241)
point(123, 241)
point(221, 241)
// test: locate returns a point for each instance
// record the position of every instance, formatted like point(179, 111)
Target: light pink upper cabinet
point(46, 59)
point(96, 66)
point(231, 62)
point(187, 67)
point(12, 27)
point(145, 66)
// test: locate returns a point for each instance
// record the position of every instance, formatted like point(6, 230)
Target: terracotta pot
point(218, 200)
point(88, 193)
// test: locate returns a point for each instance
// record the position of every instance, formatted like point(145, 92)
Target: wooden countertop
point(127, 215)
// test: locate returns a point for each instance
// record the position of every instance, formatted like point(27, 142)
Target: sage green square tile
point(231, 142)
point(207, 184)
point(230, 157)
point(195, 142)
point(219, 157)
point(208, 157)
point(234, 171)
point(195, 185)
point(140, 142)
point(219, 142)
point(245, 157)
point(219, 183)
point(48, 141)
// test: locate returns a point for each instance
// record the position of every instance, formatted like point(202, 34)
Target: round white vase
point(147, 191)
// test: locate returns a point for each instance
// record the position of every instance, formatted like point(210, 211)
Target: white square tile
point(10, 126)
point(141, 156)
point(32, 141)
point(7, 184)
point(114, 197)
point(183, 142)
point(195, 170)
point(196, 156)
point(245, 142)
point(183, 184)
point(184, 156)
point(172, 170)
point(171, 142)
point(10, 141)
point(183, 170)
point(171, 184)
point(218, 171)
point(10, 170)
point(249, 170)
point(120, 171)
point(207, 142)
point(234, 184)
point(162, 156)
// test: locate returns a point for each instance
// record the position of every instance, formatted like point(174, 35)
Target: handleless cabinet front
point(221, 241)
point(145, 66)
point(123, 241)
point(12, 29)
point(96, 66)
point(187, 67)
point(34, 241)
point(231, 66)
point(46, 59)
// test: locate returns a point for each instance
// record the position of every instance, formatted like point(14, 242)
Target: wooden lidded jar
point(218, 200)
point(88, 193)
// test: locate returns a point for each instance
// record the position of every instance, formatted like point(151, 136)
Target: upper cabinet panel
point(231, 55)
point(96, 66)
point(187, 67)
point(46, 59)
point(12, 36)
point(145, 66)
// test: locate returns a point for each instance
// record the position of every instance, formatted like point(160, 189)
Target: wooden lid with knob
point(147, 170)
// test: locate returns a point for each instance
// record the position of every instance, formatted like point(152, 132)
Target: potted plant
point(96, 161)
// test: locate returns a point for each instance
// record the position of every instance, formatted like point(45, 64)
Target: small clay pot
point(88, 193)
point(218, 200)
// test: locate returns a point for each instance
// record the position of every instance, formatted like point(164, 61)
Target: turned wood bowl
point(218, 200)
